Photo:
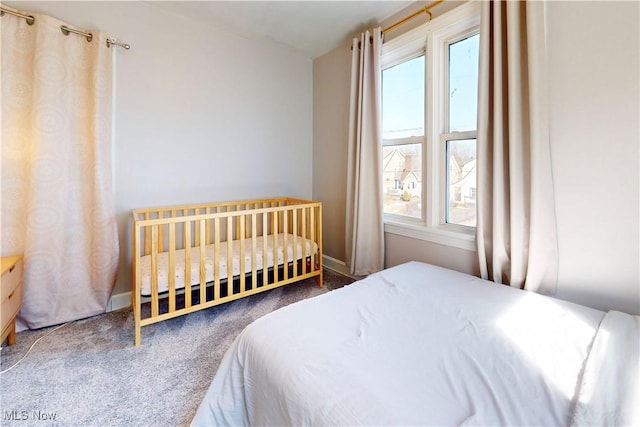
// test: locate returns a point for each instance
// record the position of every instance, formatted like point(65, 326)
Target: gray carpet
point(88, 373)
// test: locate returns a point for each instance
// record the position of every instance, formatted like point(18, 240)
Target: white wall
point(595, 140)
point(331, 77)
point(200, 114)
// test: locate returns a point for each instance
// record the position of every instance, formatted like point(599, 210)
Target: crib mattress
point(304, 247)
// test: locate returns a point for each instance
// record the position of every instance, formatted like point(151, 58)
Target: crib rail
point(180, 237)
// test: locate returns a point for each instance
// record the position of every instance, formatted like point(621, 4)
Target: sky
point(403, 92)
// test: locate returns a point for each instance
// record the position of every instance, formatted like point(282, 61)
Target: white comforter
point(422, 345)
point(609, 393)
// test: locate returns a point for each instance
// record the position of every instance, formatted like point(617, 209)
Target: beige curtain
point(364, 222)
point(57, 196)
point(516, 232)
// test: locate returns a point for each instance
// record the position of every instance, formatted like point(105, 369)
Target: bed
point(421, 345)
point(188, 258)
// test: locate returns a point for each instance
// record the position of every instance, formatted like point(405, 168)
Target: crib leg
point(137, 332)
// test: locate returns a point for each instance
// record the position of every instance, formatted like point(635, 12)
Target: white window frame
point(433, 40)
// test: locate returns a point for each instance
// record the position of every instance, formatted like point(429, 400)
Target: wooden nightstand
point(11, 285)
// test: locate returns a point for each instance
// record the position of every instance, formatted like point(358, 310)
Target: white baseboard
point(337, 266)
point(119, 301)
point(123, 300)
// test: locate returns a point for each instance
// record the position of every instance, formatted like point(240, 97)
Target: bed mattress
point(179, 263)
point(421, 345)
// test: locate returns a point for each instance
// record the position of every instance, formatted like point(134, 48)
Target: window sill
point(454, 239)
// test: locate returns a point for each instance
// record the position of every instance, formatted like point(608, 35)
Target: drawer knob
point(11, 268)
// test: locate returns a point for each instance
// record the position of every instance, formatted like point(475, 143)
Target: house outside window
point(403, 135)
point(429, 124)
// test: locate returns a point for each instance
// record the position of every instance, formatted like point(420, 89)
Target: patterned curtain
point(57, 197)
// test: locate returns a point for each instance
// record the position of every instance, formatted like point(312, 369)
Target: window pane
point(402, 175)
point(403, 100)
point(463, 84)
point(461, 182)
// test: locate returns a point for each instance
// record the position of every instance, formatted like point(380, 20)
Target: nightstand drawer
point(11, 278)
point(11, 305)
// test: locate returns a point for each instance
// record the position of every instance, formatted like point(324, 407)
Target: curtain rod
point(63, 28)
point(29, 18)
point(425, 9)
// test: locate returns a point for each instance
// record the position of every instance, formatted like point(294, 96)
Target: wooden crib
point(236, 248)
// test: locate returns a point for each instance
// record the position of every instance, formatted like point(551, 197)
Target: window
point(403, 94)
point(461, 182)
point(403, 137)
point(429, 127)
point(460, 134)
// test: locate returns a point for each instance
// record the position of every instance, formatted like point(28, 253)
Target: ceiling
point(311, 28)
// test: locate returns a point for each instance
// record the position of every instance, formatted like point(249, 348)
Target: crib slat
point(274, 231)
point(242, 232)
point(294, 229)
point(303, 235)
point(254, 248)
point(309, 236)
point(265, 264)
point(172, 267)
point(229, 256)
point(319, 241)
point(187, 263)
point(154, 270)
point(135, 291)
point(203, 261)
point(197, 233)
point(238, 219)
point(208, 228)
point(312, 226)
point(147, 237)
point(160, 233)
point(216, 257)
point(285, 250)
